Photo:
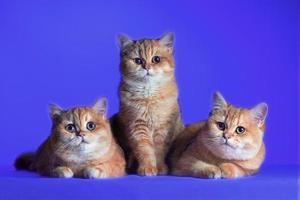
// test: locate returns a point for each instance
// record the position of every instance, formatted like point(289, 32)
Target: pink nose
point(146, 67)
point(227, 136)
point(81, 134)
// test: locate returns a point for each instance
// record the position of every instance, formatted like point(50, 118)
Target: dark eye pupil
point(221, 126)
point(156, 59)
point(91, 126)
point(70, 128)
point(138, 61)
point(240, 129)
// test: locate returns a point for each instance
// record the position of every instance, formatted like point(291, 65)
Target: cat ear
point(55, 111)
point(219, 103)
point(167, 41)
point(124, 41)
point(101, 106)
point(259, 113)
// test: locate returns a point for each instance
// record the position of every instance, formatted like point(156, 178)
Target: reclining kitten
point(228, 145)
point(81, 145)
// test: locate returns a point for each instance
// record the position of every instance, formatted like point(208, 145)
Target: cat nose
point(146, 67)
point(226, 136)
point(81, 134)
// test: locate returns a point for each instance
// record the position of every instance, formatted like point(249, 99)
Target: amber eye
point(91, 126)
point(138, 61)
point(70, 128)
point(156, 59)
point(240, 130)
point(221, 126)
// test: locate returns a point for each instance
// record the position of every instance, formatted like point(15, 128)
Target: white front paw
point(62, 172)
point(91, 173)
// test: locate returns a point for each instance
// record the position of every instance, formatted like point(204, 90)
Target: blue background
point(66, 52)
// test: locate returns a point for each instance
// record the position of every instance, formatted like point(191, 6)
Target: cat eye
point(71, 128)
point(240, 130)
point(138, 61)
point(91, 126)
point(221, 126)
point(156, 59)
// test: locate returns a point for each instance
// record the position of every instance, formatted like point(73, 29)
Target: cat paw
point(147, 170)
point(62, 172)
point(162, 169)
point(213, 173)
point(92, 173)
point(229, 170)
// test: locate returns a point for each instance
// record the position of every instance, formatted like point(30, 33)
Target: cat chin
point(144, 79)
point(148, 76)
point(227, 152)
point(78, 142)
point(86, 151)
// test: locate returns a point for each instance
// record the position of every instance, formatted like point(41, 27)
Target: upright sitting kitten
point(149, 115)
point(81, 144)
point(228, 145)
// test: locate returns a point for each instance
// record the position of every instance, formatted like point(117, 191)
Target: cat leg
point(105, 170)
point(143, 148)
point(162, 167)
point(230, 170)
point(205, 170)
point(160, 153)
point(62, 172)
point(191, 166)
point(93, 172)
point(146, 158)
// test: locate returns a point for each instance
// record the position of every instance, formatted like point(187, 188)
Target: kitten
point(81, 145)
point(228, 145)
point(149, 115)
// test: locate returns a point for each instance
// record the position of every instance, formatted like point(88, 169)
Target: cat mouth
point(148, 74)
point(82, 140)
point(226, 143)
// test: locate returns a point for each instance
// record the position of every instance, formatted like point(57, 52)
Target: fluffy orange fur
point(81, 144)
point(149, 118)
point(228, 145)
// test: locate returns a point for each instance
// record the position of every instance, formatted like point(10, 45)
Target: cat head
point(235, 133)
point(80, 126)
point(147, 59)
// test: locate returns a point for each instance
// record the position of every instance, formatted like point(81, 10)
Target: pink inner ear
point(167, 41)
point(218, 101)
point(259, 113)
point(101, 106)
point(124, 41)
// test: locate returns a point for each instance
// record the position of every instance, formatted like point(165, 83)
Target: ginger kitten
point(228, 145)
point(81, 144)
point(149, 118)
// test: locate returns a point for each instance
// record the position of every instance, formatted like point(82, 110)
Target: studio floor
point(272, 182)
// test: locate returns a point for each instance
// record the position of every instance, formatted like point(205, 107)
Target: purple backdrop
point(66, 52)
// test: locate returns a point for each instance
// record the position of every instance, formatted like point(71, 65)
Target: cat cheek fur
point(65, 136)
point(131, 66)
